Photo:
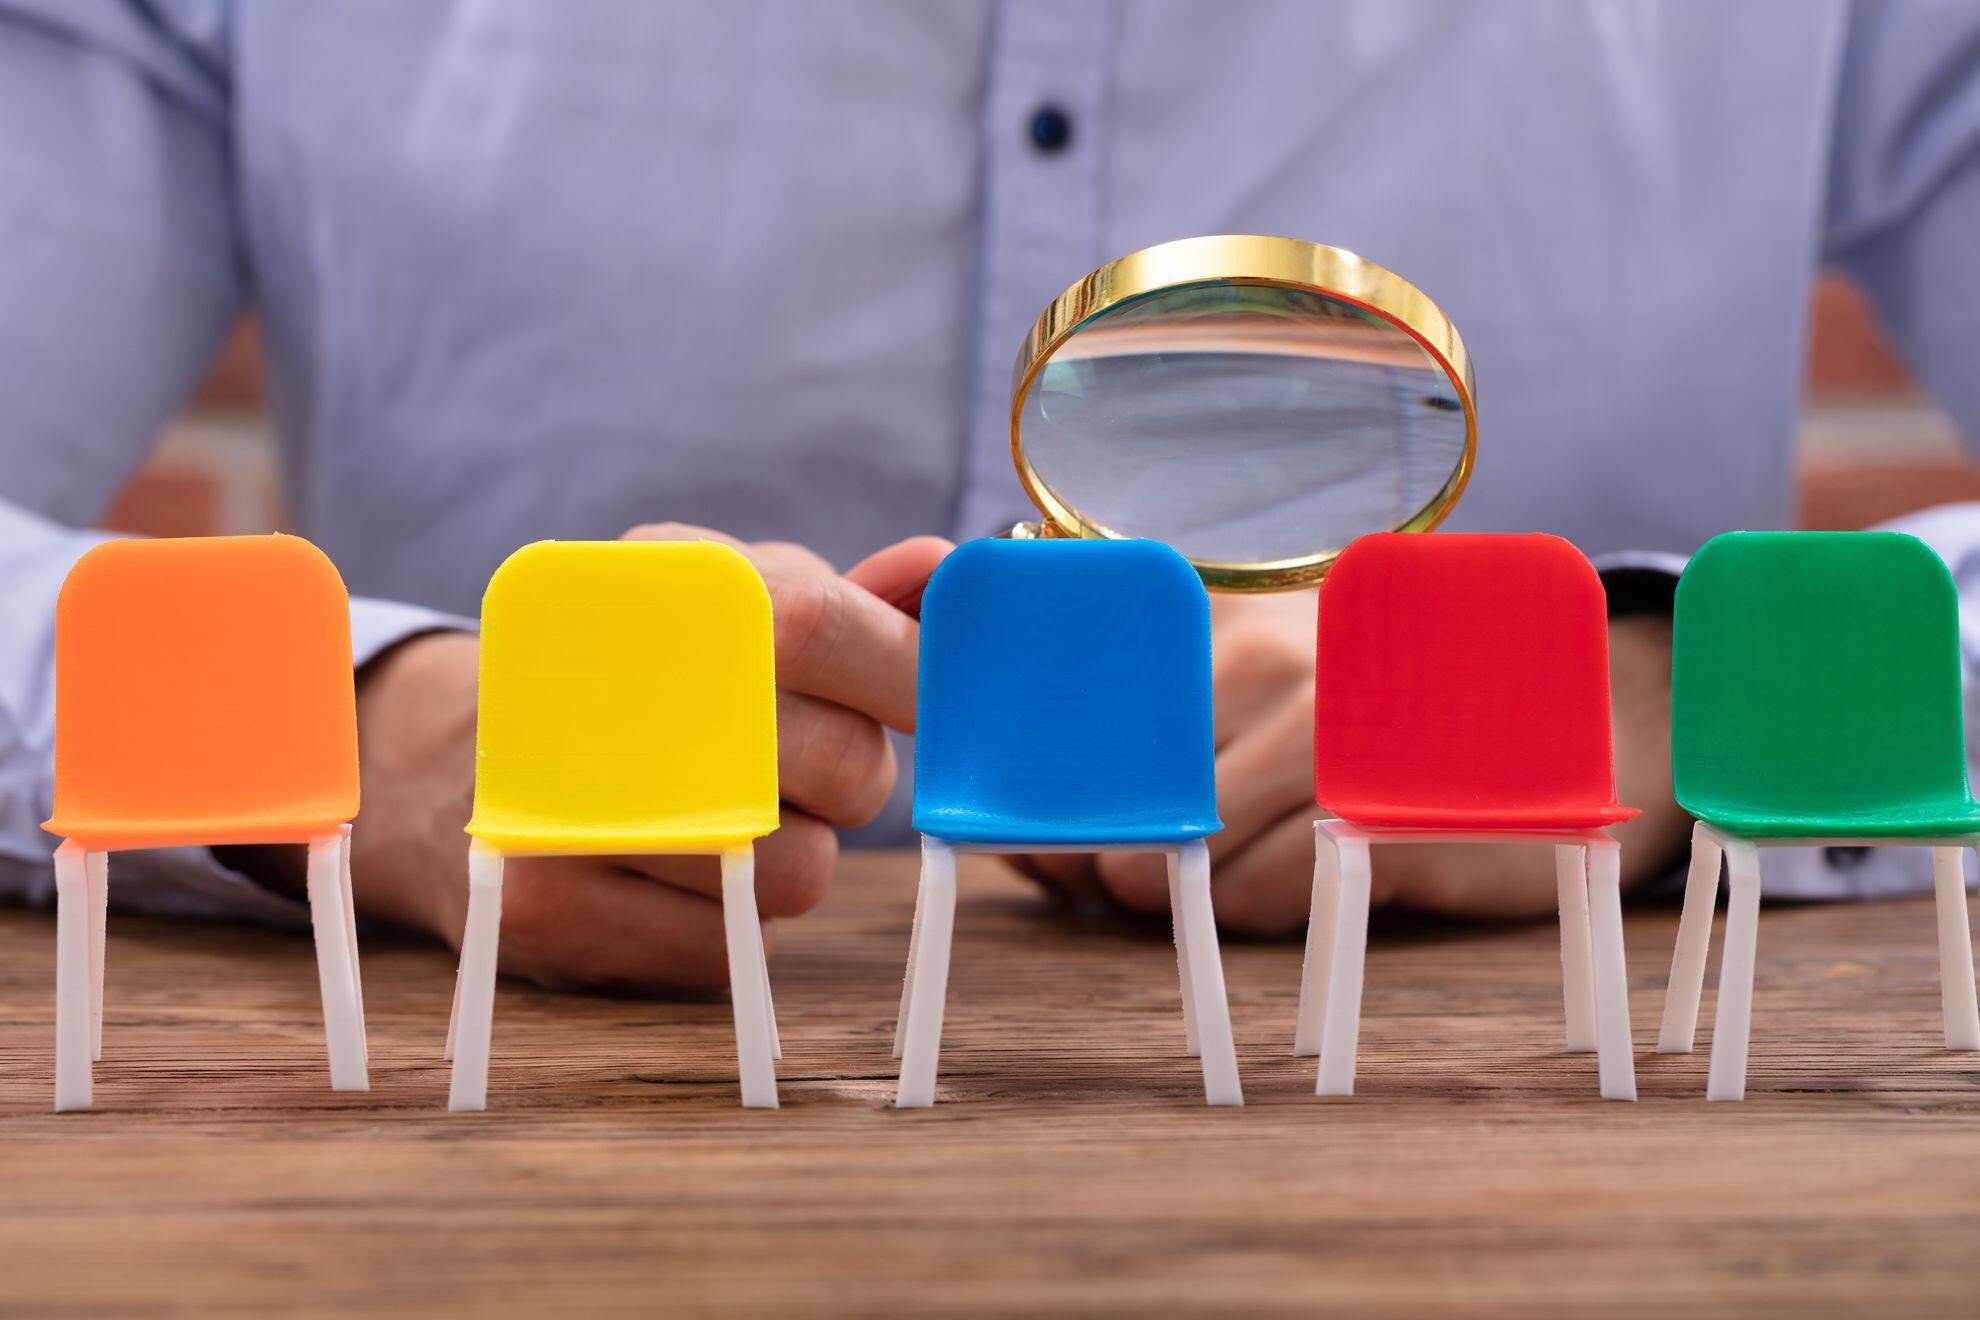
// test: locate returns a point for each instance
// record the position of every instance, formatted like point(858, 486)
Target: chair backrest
point(1065, 695)
point(1816, 672)
point(1462, 676)
point(203, 694)
point(628, 699)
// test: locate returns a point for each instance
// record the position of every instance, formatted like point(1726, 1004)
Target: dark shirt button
point(1051, 129)
point(1845, 859)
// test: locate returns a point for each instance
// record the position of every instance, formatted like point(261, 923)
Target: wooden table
point(1068, 1166)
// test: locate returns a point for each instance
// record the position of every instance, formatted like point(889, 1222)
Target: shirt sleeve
point(1903, 204)
point(122, 272)
point(121, 276)
point(1902, 215)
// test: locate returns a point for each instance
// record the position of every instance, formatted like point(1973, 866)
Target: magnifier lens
point(1256, 427)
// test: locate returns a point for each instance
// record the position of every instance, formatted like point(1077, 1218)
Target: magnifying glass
point(1257, 403)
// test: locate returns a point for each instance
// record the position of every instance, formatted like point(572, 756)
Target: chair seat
point(519, 839)
point(1469, 816)
point(956, 825)
point(118, 833)
point(1912, 820)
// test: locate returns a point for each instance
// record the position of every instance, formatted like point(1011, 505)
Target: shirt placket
point(1045, 135)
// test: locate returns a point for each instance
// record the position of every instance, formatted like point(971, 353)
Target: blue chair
point(1065, 706)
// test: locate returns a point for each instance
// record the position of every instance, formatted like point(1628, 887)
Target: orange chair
point(203, 695)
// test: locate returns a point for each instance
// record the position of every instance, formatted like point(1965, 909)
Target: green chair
point(1815, 700)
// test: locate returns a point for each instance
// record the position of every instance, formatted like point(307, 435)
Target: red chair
point(1462, 695)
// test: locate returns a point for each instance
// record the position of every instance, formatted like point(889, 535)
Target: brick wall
point(1872, 446)
point(214, 469)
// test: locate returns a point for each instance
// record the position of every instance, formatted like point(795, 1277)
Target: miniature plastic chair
point(1815, 700)
point(628, 705)
point(1065, 706)
point(1462, 695)
point(203, 695)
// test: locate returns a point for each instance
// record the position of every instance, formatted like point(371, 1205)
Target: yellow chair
point(628, 705)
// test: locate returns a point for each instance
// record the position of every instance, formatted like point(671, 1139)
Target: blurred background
point(1871, 446)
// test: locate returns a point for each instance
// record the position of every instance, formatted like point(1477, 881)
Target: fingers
point(1263, 889)
point(578, 923)
point(1075, 875)
point(899, 573)
point(1139, 882)
point(1264, 775)
point(1261, 650)
point(845, 658)
point(1262, 657)
point(1487, 880)
point(1266, 889)
point(839, 641)
point(678, 531)
point(793, 867)
point(835, 639)
point(833, 764)
point(1262, 672)
point(644, 922)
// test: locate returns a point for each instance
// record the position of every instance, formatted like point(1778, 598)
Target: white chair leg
point(769, 1004)
point(929, 976)
point(96, 871)
point(1616, 1062)
point(1341, 1035)
point(350, 936)
point(1731, 1023)
point(1956, 989)
point(914, 954)
point(73, 1012)
point(1694, 943)
point(747, 979)
point(1179, 929)
point(335, 975)
point(453, 1018)
point(454, 1013)
point(474, 994)
point(1318, 964)
point(1577, 966)
point(1197, 920)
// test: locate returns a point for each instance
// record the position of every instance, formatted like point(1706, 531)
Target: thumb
point(898, 573)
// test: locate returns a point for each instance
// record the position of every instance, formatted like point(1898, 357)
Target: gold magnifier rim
point(1245, 259)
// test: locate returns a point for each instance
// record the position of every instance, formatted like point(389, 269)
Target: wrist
point(416, 721)
point(1640, 712)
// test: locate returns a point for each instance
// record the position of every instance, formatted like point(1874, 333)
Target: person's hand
point(1262, 860)
point(845, 668)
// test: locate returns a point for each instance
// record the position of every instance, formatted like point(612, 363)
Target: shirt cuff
point(379, 625)
point(1830, 873)
point(1640, 581)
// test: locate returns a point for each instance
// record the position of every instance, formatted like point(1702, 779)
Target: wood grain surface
point(1068, 1167)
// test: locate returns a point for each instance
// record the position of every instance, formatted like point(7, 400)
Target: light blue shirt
point(529, 269)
